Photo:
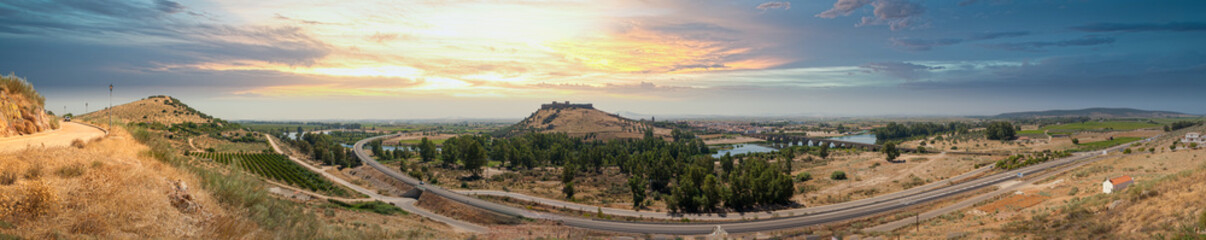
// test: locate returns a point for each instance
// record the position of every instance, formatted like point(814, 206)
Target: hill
point(154, 109)
point(582, 120)
point(21, 108)
point(1095, 113)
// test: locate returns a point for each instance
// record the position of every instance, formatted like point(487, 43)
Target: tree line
point(682, 170)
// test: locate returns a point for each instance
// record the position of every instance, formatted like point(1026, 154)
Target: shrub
point(838, 175)
point(33, 172)
point(1076, 141)
point(70, 171)
point(1202, 220)
point(1073, 191)
point(8, 177)
point(77, 143)
point(804, 177)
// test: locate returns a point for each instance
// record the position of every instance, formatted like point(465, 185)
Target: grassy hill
point(154, 109)
point(1095, 113)
point(582, 121)
point(21, 108)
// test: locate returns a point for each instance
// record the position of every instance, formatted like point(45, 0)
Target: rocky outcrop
point(21, 110)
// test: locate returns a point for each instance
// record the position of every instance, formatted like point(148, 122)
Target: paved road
point(848, 211)
point(725, 216)
point(407, 204)
point(68, 131)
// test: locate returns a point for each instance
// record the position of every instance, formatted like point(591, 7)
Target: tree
point(891, 151)
point(636, 184)
point(473, 155)
point(711, 192)
point(838, 175)
point(788, 155)
point(824, 152)
point(726, 163)
point(1000, 130)
point(427, 150)
point(568, 190)
point(1076, 141)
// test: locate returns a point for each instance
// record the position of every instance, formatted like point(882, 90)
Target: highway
point(831, 213)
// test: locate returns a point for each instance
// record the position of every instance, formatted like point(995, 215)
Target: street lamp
point(110, 107)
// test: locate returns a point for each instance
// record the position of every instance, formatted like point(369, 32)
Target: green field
point(1031, 133)
point(276, 167)
point(1110, 125)
point(416, 141)
point(1103, 144)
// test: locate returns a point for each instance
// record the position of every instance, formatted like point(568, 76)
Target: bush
point(1076, 141)
point(74, 170)
point(1073, 191)
point(1202, 220)
point(8, 177)
point(77, 143)
point(838, 175)
point(804, 177)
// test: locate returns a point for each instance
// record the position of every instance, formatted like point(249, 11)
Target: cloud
point(1142, 27)
point(903, 70)
point(918, 44)
point(1035, 46)
point(388, 37)
point(774, 5)
point(996, 35)
point(923, 44)
point(897, 14)
point(168, 6)
point(843, 8)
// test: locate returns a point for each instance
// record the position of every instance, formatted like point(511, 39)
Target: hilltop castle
point(565, 105)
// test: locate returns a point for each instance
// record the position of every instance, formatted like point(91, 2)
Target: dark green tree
point(427, 150)
point(890, 151)
point(1000, 130)
point(637, 184)
point(824, 152)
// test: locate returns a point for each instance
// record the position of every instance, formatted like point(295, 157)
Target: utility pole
point(110, 107)
point(918, 222)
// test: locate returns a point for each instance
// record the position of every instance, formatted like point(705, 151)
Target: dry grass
point(152, 109)
point(1165, 202)
point(107, 189)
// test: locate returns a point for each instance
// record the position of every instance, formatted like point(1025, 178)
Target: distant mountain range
point(1095, 113)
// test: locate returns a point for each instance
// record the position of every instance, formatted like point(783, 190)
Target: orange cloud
point(639, 50)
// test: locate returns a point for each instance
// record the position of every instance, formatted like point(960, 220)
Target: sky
point(310, 60)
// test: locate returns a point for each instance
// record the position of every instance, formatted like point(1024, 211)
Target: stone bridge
point(808, 141)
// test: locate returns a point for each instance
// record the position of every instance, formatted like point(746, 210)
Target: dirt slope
point(21, 108)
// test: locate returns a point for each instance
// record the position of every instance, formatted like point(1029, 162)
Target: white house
point(1116, 184)
point(1194, 137)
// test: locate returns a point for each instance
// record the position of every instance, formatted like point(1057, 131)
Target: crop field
point(1104, 144)
point(276, 167)
point(1111, 125)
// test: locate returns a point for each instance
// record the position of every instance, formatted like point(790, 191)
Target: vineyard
point(276, 167)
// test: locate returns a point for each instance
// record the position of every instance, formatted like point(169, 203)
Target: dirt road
point(55, 138)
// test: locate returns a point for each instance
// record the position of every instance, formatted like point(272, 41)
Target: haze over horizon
point(298, 60)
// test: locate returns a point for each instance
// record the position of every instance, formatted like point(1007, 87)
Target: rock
point(181, 199)
point(1114, 204)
